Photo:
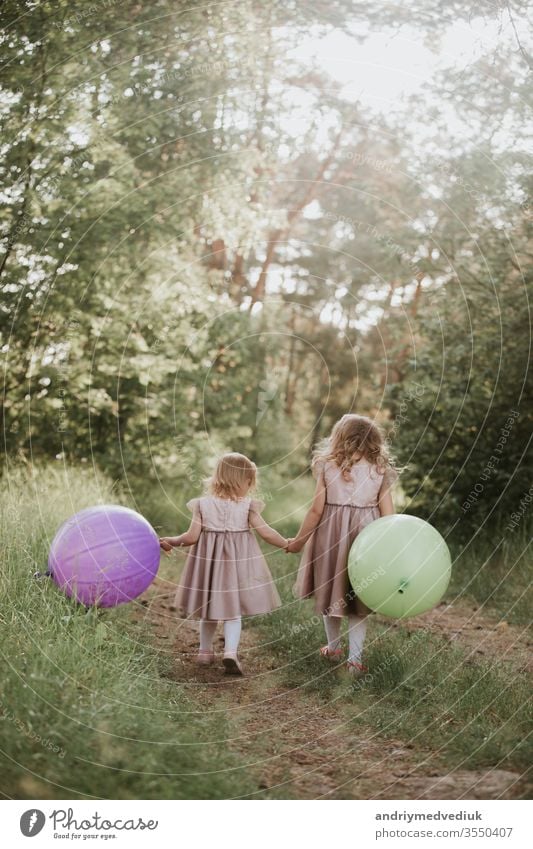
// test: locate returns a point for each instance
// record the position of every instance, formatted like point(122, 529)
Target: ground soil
point(300, 745)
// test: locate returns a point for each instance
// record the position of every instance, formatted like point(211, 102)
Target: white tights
point(356, 634)
point(232, 634)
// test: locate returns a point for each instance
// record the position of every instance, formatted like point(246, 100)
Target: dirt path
point(298, 745)
point(481, 632)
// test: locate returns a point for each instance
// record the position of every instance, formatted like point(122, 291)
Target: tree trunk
point(281, 234)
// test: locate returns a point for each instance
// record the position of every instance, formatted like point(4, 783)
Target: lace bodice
point(363, 487)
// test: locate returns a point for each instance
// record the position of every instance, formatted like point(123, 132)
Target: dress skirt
point(226, 576)
point(323, 572)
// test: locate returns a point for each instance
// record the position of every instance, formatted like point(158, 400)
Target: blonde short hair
point(232, 472)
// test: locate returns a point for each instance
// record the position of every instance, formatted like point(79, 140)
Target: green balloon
point(399, 566)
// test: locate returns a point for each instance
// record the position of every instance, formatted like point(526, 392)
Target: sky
point(388, 65)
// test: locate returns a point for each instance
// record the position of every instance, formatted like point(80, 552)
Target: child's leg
point(332, 624)
point(232, 635)
point(356, 637)
point(207, 634)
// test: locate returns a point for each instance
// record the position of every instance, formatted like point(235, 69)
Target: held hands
point(293, 546)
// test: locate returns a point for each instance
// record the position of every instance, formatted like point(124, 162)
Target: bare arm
point(188, 538)
point(314, 514)
point(385, 502)
point(265, 531)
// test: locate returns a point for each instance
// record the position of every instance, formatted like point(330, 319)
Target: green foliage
point(467, 441)
point(183, 272)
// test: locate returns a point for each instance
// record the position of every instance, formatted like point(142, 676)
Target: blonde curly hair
point(354, 437)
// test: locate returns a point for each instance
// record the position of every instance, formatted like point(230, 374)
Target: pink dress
point(350, 506)
point(225, 575)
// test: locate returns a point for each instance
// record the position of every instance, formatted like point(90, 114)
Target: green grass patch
point(84, 709)
point(294, 633)
point(496, 571)
point(475, 713)
point(287, 502)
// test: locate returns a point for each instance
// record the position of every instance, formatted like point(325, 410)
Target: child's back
point(225, 514)
point(360, 487)
point(351, 502)
point(226, 575)
point(354, 476)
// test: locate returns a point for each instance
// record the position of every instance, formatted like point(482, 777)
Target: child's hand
point(293, 546)
point(164, 543)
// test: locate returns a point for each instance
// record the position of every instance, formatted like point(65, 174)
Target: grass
point(88, 707)
point(420, 688)
point(474, 713)
point(293, 633)
point(495, 571)
point(84, 710)
point(287, 502)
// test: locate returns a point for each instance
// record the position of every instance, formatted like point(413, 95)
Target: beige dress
point(225, 575)
point(350, 506)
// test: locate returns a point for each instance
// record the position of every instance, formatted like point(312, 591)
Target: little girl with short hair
point(226, 576)
point(354, 475)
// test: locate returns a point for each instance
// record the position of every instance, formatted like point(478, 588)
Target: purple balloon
point(104, 555)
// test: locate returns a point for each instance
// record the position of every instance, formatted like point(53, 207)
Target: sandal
point(205, 658)
point(330, 654)
point(232, 665)
point(356, 669)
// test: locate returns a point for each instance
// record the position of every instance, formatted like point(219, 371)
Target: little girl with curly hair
point(354, 476)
